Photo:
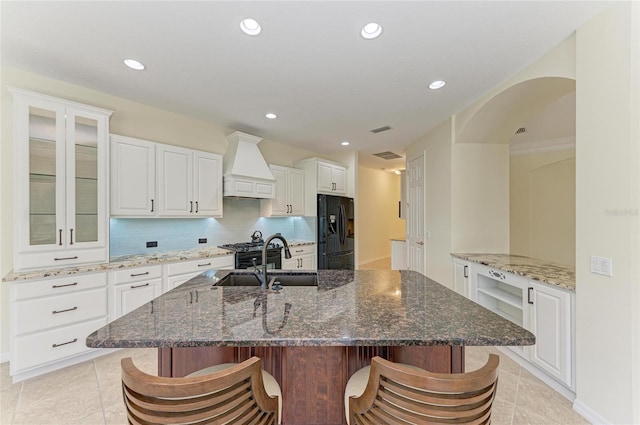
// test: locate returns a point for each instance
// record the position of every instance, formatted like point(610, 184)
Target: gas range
point(249, 254)
point(248, 246)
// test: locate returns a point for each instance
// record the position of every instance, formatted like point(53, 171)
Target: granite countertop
point(128, 261)
point(347, 308)
point(533, 268)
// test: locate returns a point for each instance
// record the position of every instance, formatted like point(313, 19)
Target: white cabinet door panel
point(551, 324)
point(175, 180)
point(133, 177)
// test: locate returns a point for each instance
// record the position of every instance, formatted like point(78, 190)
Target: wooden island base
point(312, 379)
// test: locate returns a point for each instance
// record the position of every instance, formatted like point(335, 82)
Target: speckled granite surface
point(348, 308)
point(533, 268)
point(129, 261)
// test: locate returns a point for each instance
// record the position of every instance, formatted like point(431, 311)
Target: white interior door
point(415, 214)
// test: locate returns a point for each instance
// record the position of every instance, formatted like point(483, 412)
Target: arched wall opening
point(524, 139)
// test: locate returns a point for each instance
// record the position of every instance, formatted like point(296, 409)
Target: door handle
point(191, 206)
point(70, 236)
point(152, 205)
point(196, 207)
point(466, 271)
point(420, 243)
point(529, 292)
point(60, 237)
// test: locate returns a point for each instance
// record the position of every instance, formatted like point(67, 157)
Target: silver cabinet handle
point(65, 343)
point(64, 311)
point(191, 207)
point(139, 286)
point(152, 205)
point(529, 293)
point(466, 271)
point(196, 207)
point(60, 236)
point(204, 265)
point(139, 274)
point(71, 237)
point(420, 243)
point(66, 258)
point(63, 286)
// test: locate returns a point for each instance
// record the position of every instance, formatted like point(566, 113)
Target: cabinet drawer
point(43, 288)
point(66, 258)
point(226, 261)
point(137, 274)
point(50, 346)
point(302, 250)
point(49, 312)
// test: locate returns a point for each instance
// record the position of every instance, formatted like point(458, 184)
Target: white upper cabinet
point(153, 179)
point(133, 177)
point(207, 184)
point(60, 178)
point(332, 178)
point(289, 193)
point(189, 182)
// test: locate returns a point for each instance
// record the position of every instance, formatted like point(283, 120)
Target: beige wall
point(542, 205)
point(608, 213)
point(378, 196)
point(480, 198)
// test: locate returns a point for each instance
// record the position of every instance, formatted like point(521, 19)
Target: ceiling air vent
point(381, 129)
point(387, 155)
point(521, 130)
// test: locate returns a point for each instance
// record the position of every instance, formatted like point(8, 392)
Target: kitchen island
point(312, 339)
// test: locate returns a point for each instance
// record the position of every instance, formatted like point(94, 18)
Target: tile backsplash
point(241, 218)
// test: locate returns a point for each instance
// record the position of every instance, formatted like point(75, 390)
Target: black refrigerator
point(335, 232)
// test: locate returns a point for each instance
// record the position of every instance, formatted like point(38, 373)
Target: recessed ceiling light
point(438, 84)
point(371, 30)
point(344, 143)
point(271, 116)
point(250, 26)
point(134, 64)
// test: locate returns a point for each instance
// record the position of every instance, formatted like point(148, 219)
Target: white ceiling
point(310, 65)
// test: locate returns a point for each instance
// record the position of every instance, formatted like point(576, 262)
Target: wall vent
point(387, 155)
point(521, 130)
point(381, 129)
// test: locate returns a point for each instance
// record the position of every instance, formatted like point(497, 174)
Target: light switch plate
point(602, 265)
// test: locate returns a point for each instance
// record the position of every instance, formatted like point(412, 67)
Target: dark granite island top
point(348, 308)
point(312, 339)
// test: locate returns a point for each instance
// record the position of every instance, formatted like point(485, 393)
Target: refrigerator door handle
point(343, 225)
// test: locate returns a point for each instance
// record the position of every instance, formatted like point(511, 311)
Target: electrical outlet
point(602, 265)
point(202, 240)
point(152, 244)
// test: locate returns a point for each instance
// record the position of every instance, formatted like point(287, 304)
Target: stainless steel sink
point(285, 279)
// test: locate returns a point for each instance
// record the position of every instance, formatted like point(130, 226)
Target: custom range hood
point(245, 172)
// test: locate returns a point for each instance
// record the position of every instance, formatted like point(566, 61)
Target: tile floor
point(89, 393)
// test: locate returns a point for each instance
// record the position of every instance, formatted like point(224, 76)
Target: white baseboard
point(4, 357)
point(587, 413)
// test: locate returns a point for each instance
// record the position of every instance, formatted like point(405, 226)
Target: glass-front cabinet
point(60, 182)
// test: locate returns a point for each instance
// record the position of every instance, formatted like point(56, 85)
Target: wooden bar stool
point(238, 393)
point(395, 393)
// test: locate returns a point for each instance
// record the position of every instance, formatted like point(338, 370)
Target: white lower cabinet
point(544, 310)
point(178, 273)
point(550, 321)
point(131, 288)
point(303, 257)
point(461, 281)
point(50, 320)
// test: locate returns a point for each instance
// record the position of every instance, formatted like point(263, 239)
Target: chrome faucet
point(287, 255)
